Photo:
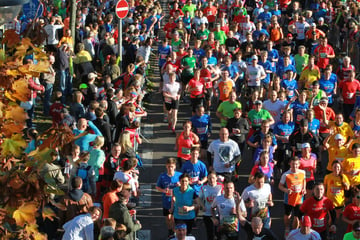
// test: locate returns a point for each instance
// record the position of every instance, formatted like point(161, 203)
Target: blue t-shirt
point(265, 16)
point(290, 87)
point(196, 172)
point(273, 54)
point(314, 126)
point(163, 53)
point(184, 199)
point(282, 70)
point(328, 87)
point(267, 66)
point(299, 110)
point(212, 61)
point(165, 181)
point(198, 54)
point(201, 126)
point(284, 130)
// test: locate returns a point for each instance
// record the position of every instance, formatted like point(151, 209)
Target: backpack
point(83, 173)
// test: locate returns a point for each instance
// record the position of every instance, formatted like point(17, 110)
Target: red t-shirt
point(349, 90)
point(206, 75)
point(330, 115)
point(198, 87)
point(321, 52)
point(210, 13)
point(351, 212)
point(317, 211)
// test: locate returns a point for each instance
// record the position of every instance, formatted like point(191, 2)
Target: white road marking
point(147, 157)
point(145, 197)
point(148, 130)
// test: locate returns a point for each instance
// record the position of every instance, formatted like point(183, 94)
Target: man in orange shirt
point(225, 86)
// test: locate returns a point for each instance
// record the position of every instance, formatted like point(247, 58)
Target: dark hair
point(184, 175)
point(130, 163)
point(259, 175)
point(99, 112)
point(115, 184)
point(76, 182)
point(171, 161)
point(355, 146)
point(195, 148)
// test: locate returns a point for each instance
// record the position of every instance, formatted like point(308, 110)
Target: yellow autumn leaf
point(39, 236)
point(25, 214)
point(21, 90)
point(31, 228)
point(9, 96)
point(13, 146)
point(27, 42)
point(48, 213)
point(12, 72)
point(41, 56)
point(40, 67)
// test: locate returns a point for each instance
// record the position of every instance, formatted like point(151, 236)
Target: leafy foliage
point(24, 189)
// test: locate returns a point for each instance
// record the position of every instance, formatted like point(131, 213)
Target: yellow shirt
point(68, 40)
point(345, 130)
point(335, 188)
point(351, 166)
point(336, 153)
point(309, 76)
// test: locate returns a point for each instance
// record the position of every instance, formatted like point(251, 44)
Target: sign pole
point(120, 43)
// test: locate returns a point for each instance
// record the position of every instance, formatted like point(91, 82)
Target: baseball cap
point(258, 102)
point(83, 86)
point(254, 58)
point(313, 24)
point(306, 221)
point(266, 7)
point(305, 145)
point(289, 35)
point(92, 75)
point(321, 19)
point(338, 137)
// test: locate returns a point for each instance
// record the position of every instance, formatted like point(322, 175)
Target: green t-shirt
point(301, 62)
point(227, 110)
point(189, 63)
point(349, 236)
point(220, 36)
point(191, 9)
point(175, 45)
point(203, 35)
point(257, 117)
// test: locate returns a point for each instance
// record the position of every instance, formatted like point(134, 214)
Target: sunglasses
point(127, 189)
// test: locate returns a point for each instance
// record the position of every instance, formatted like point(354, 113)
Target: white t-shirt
point(297, 235)
point(225, 207)
point(51, 33)
point(259, 196)
point(126, 178)
point(254, 74)
point(275, 109)
point(223, 153)
point(207, 194)
point(301, 30)
point(173, 89)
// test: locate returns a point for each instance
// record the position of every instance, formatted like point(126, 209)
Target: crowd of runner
point(279, 76)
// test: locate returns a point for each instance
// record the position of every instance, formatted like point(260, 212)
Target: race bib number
point(349, 95)
point(163, 56)
point(185, 151)
point(181, 211)
point(228, 220)
point(231, 49)
point(307, 174)
point(234, 131)
point(201, 130)
point(194, 180)
point(168, 100)
point(297, 188)
point(335, 190)
point(318, 223)
point(169, 193)
point(323, 55)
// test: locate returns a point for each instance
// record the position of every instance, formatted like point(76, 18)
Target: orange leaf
point(11, 38)
point(48, 213)
point(10, 128)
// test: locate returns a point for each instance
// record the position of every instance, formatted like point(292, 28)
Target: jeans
point(47, 96)
point(65, 84)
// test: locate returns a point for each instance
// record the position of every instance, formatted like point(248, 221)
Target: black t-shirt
point(265, 233)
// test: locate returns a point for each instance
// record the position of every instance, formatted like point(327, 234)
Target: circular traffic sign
point(122, 9)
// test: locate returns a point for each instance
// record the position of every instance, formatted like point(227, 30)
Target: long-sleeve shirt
point(79, 228)
point(84, 142)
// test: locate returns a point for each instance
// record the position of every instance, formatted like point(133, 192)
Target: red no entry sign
point(122, 9)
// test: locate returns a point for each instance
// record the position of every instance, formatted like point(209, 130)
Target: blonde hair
point(125, 141)
point(99, 141)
